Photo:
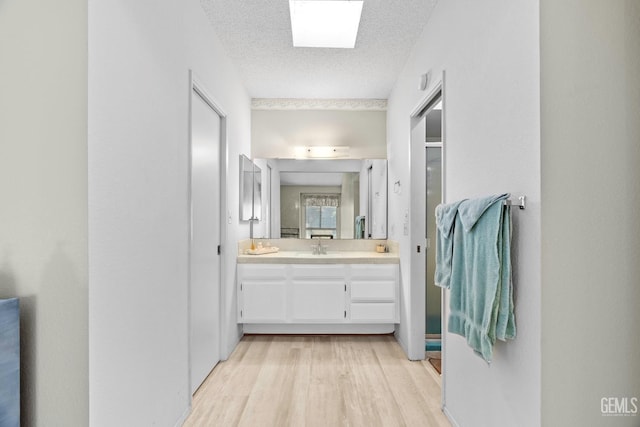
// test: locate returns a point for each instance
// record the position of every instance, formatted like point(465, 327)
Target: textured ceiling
point(257, 36)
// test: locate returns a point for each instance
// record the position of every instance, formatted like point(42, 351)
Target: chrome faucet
point(315, 248)
point(319, 248)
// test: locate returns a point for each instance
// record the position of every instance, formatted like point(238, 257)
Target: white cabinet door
point(263, 302)
point(318, 301)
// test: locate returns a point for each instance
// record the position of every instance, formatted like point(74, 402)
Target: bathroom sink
point(303, 254)
point(310, 254)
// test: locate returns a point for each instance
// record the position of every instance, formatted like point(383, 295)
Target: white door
point(418, 237)
point(205, 237)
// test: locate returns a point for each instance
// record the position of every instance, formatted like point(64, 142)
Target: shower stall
point(433, 320)
point(433, 146)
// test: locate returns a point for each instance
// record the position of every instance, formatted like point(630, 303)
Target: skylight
point(325, 23)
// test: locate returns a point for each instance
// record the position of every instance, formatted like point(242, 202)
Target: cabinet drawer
point(377, 271)
point(373, 312)
point(262, 271)
point(374, 290)
point(310, 271)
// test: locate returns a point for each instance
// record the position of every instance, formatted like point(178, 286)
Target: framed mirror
point(257, 193)
point(325, 198)
point(250, 190)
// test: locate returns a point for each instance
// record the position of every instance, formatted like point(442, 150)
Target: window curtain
point(321, 200)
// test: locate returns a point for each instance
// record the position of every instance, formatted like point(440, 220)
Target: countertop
point(332, 257)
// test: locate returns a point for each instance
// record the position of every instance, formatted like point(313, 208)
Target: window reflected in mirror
point(321, 215)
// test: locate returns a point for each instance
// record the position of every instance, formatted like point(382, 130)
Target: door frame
point(418, 272)
point(268, 209)
point(196, 86)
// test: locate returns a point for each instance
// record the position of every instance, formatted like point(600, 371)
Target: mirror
point(257, 193)
point(250, 190)
point(325, 198)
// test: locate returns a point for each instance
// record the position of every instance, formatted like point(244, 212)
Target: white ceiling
point(257, 36)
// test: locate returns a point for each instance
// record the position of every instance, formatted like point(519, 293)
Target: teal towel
point(359, 227)
point(445, 221)
point(9, 362)
point(481, 298)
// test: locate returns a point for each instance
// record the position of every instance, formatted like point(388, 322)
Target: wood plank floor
point(337, 380)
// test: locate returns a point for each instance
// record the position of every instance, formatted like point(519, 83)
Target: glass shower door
point(434, 197)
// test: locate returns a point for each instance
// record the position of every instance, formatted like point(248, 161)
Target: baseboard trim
point(231, 346)
point(447, 414)
point(318, 328)
point(183, 417)
point(403, 346)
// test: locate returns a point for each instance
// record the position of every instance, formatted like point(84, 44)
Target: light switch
point(405, 223)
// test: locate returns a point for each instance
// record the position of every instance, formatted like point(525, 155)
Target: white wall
point(276, 133)
point(590, 75)
point(43, 202)
point(140, 55)
point(491, 56)
point(319, 165)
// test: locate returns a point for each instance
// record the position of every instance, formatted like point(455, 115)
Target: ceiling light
point(325, 23)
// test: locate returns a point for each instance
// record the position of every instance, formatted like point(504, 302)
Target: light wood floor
point(319, 381)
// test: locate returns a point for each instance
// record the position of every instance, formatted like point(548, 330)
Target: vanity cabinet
point(374, 293)
point(305, 294)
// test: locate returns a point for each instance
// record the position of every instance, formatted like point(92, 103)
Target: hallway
point(319, 381)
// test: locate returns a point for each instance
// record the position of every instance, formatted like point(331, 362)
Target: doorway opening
point(427, 191)
point(433, 197)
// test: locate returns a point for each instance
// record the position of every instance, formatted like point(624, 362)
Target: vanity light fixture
point(321, 152)
point(325, 23)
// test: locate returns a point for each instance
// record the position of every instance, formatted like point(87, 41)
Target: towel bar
point(521, 203)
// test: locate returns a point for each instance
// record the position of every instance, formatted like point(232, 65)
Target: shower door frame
point(418, 287)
